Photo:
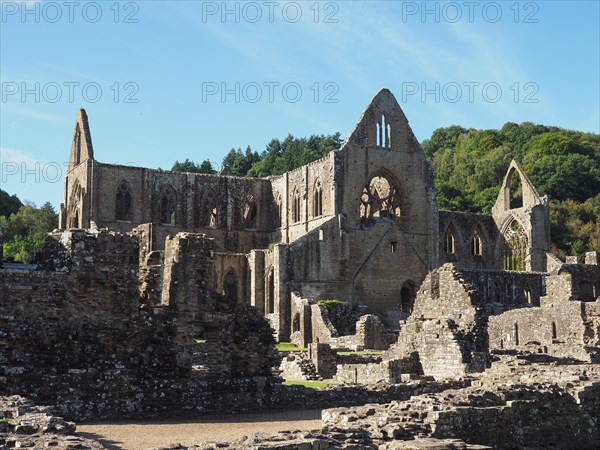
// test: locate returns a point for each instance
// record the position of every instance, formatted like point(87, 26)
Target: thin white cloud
point(33, 114)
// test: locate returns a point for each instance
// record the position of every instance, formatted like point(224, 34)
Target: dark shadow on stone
point(107, 443)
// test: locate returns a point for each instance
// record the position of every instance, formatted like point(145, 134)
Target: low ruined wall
point(555, 331)
point(502, 290)
point(383, 372)
point(447, 329)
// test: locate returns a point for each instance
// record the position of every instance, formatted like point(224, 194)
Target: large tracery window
point(379, 198)
point(168, 206)
point(123, 202)
point(516, 247)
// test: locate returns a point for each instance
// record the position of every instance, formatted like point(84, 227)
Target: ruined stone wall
point(457, 230)
point(447, 328)
point(305, 198)
point(401, 161)
point(277, 291)
point(328, 263)
point(503, 290)
point(563, 325)
point(237, 211)
point(108, 179)
point(555, 331)
point(232, 276)
point(371, 373)
point(301, 313)
point(79, 336)
point(531, 213)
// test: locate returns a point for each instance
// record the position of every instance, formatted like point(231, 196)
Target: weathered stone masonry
point(79, 336)
point(360, 225)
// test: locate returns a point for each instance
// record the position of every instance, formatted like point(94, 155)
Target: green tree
point(192, 167)
point(240, 162)
point(26, 230)
point(9, 204)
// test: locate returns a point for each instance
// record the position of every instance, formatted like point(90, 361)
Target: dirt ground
point(143, 435)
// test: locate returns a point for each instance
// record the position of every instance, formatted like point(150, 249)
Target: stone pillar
point(571, 260)
point(323, 358)
point(256, 261)
point(591, 258)
point(188, 281)
point(283, 307)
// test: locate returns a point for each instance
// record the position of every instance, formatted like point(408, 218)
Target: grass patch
point(289, 347)
point(309, 384)
point(362, 352)
point(330, 304)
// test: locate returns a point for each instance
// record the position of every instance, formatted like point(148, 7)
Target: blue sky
point(164, 81)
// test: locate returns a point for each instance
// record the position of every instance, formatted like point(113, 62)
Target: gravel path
point(147, 434)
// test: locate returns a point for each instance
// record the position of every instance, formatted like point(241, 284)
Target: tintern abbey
point(360, 225)
point(165, 292)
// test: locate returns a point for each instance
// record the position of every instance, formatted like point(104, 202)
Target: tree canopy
point(564, 164)
point(192, 167)
point(9, 204)
point(26, 230)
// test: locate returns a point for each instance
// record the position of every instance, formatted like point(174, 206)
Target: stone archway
point(230, 285)
point(407, 297)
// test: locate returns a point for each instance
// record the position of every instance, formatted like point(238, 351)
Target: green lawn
point(362, 352)
point(309, 384)
point(289, 347)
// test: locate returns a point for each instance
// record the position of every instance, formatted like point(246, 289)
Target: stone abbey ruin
point(163, 294)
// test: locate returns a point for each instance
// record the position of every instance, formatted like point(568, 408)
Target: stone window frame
point(123, 201)
point(296, 206)
point(278, 211)
point(516, 250)
point(210, 209)
point(585, 290)
point(167, 207)
point(77, 145)
point(75, 204)
point(407, 304)
point(270, 290)
point(449, 241)
point(377, 198)
point(527, 295)
point(476, 243)
point(250, 212)
point(318, 199)
point(383, 132)
point(231, 285)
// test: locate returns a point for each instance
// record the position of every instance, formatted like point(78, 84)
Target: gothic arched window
point(379, 198)
point(168, 206)
point(250, 213)
point(123, 202)
point(318, 200)
point(516, 247)
point(449, 242)
point(476, 244)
